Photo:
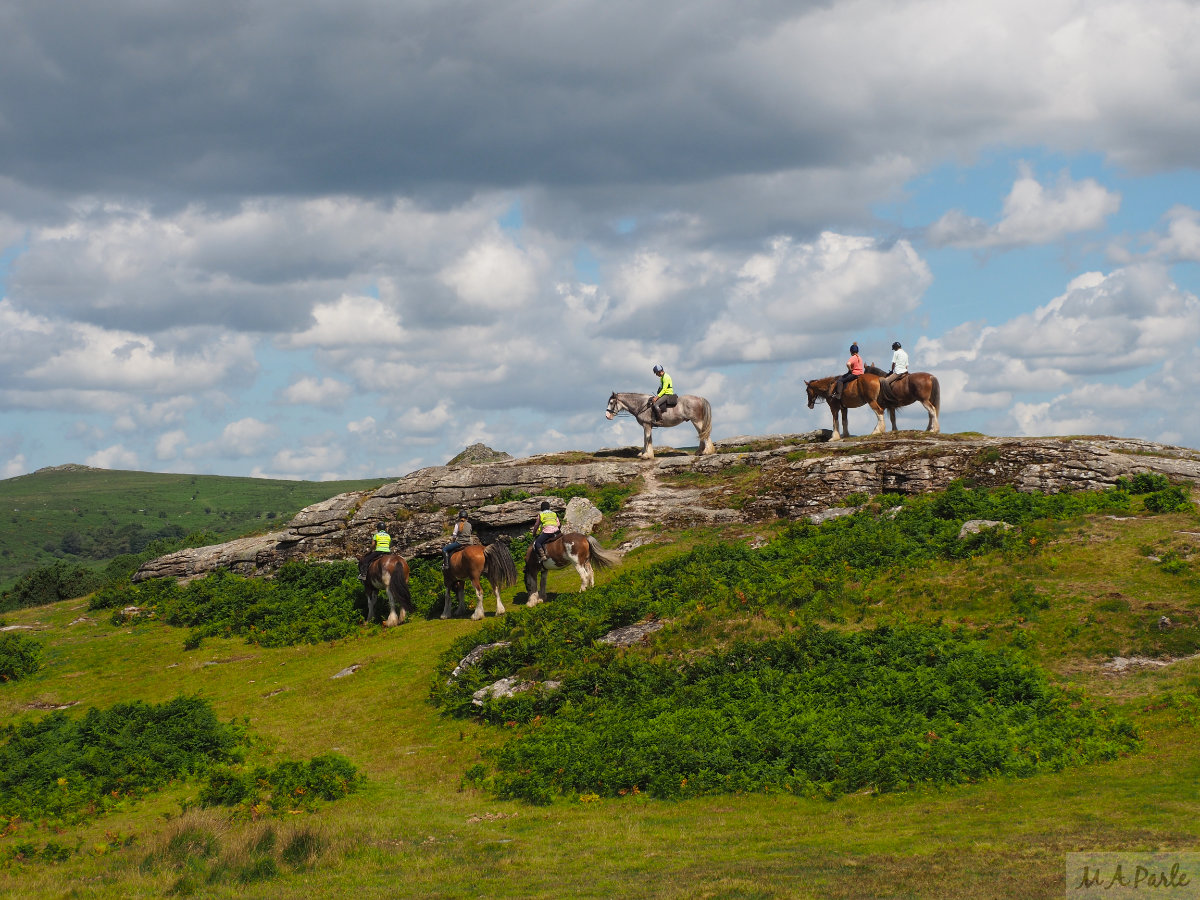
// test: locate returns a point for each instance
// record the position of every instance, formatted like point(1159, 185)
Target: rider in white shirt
point(899, 364)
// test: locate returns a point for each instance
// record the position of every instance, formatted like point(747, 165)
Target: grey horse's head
point(614, 405)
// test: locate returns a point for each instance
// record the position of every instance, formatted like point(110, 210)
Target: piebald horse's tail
point(601, 558)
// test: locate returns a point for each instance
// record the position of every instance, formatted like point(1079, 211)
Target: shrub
point(49, 584)
point(66, 769)
point(1171, 499)
point(19, 656)
point(285, 786)
point(1147, 483)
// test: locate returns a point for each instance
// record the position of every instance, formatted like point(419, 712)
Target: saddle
point(886, 394)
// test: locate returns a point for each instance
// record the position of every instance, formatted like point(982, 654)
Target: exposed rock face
point(974, 526)
point(752, 479)
point(478, 453)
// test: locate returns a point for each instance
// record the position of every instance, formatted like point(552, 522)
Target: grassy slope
point(414, 832)
point(37, 510)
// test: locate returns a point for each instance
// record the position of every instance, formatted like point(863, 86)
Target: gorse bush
point(305, 603)
point(66, 769)
point(1172, 499)
point(19, 656)
point(815, 712)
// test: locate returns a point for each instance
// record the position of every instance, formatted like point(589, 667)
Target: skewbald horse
point(862, 391)
point(389, 573)
point(570, 549)
point(915, 387)
point(494, 562)
point(689, 408)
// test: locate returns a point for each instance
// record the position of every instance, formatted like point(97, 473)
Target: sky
point(345, 240)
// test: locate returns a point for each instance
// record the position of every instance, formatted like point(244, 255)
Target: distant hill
point(75, 512)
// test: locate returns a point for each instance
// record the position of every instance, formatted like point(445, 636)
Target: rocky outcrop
point(582, 516)
point(479, 453)
point(750, 479)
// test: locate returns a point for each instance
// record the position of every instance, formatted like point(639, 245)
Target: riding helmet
point(462, 513)
point(382, 526)
point(895, 345)
point(854, 348)
point(545, 504)
point(658, 370)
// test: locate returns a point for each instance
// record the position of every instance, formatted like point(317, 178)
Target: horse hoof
point(475, 617)
point(392, 621)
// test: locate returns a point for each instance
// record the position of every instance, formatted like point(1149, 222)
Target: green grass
point(418, 830)
point(92, 515)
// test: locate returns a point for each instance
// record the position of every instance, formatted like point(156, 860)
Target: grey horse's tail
point(498, 565)
point(601, 558)
point(935, 394)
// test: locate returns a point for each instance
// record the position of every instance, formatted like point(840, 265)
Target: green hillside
point(91, 515)
point(873, 707)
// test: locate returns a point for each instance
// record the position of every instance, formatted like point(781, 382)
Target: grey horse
point(690, 408)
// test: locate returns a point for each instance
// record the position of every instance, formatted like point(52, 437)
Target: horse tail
point(601, 558)
point(498, 565)
point(398, 583)
point(705, 428)
point(935, 393)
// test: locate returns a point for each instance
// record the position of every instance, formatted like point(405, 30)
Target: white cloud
point(307, 391)
point(1182, 240)
point(1032, 215)
point(364, 426)
point(14, 467)
point(495, 274)
point(243, 438)
point(170, 445)
point(350, 321)
point(317, 463)
point(114, 457)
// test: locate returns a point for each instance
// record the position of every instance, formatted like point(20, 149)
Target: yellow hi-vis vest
point(383, 542)
point(548, 518)
point(665, 386)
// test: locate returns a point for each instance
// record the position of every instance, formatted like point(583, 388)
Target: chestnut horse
point(862, 391)
point(689, 408)
point(915, 387)
point(570, 549)
point(494, 562)
point(389, 573)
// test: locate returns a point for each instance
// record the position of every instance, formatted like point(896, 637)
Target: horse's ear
point(806, 381)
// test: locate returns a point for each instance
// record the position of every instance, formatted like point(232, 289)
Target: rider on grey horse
point(666, 397)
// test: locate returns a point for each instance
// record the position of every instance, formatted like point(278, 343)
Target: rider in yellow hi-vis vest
point(547, 527)
point(666, 397)
point(381, 545)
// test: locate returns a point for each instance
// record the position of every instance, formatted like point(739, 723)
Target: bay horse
point(389, 573)
point(862, 391)
point(689, 408)
point(494, 562)
point(915, 387)
point(570, 549)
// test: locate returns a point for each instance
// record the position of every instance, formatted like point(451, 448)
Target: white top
point(900, 361)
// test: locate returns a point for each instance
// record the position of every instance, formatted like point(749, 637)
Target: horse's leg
point(892, 413)
point(370, 601)
point(845, 422)
point(878, 410)
point(587, 577)
point(836, 436)
point(392, 620)
point(478, 614)
point(934, 425)
point(542, 585)
point(648, 442)
point(460, 605)
point(499, 602)
point(446, 606)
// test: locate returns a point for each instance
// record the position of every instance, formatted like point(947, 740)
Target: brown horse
point(570, 549)
point(862, 391)
point(915, 387)
point(494, 562)
point(389, 573)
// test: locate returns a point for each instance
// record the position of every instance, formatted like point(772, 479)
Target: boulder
point(974, 526)
point(582, 515)
point(628, 635)
point(475, 656)
point(477, 454)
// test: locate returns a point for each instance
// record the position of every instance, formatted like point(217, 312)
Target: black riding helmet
point(895, 345)
point(462, 513)
point(545, 505)
point(658, 370)
point(854, 348)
